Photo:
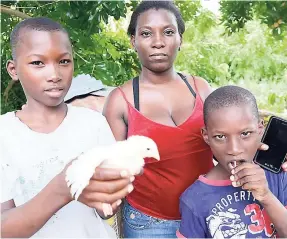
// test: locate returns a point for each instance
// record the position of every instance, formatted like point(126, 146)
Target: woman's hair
point(147, 5)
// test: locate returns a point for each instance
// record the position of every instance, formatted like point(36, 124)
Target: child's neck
point(218, 173)
point(42, 119)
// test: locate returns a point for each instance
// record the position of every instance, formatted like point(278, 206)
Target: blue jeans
point(139, 225)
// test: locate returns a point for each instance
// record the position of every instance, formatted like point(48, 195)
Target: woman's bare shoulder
point(127, 86)
point(116, 100)
point(202, 86)
point(117, 92)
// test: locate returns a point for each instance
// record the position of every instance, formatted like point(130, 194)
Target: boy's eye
point(246, 134)
point(37, 63)
point(65, 61)
point(169, 32)
point(146, 34)
point(220, 136)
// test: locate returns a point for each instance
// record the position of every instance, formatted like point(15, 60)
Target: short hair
point(147, 5)
point(228, 96)
point(34, 23)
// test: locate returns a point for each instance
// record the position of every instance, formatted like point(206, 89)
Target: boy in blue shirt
point(237, 198)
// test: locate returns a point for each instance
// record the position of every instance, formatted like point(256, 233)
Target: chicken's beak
point(157, 157)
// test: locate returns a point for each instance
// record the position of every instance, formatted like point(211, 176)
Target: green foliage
point(116, 61)
point(188, 9)
point(251, 57)
point(270, 95)
point(236, 13)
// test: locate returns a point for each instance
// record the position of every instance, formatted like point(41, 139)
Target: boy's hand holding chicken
point(128, 155)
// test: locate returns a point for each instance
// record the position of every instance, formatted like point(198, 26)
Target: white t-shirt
point(30, 160)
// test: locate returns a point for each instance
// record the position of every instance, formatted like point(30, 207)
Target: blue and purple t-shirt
point(216, 209)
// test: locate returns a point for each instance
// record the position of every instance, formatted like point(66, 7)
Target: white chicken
point(128, 154)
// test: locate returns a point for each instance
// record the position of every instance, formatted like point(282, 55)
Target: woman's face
point(156, 39)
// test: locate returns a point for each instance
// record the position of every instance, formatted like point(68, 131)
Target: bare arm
point(26, 220)
point(114, 113)
point(7, 205)
point(106, 186)
point(204, 89)
point(277, 213)
point(252, 177)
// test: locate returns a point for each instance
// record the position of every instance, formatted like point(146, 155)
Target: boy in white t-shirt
point(37, 142)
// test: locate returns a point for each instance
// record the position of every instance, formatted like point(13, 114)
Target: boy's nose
point(234, 148)
point(53, 73)
point(54, 78)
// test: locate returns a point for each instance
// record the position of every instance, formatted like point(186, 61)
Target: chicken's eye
point(148, 148)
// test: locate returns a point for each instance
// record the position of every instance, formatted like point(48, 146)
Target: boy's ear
point(261, 127)
point(205, 135)
point(11, 68)
point(132, 41)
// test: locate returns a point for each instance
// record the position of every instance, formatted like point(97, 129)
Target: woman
point(167, 107)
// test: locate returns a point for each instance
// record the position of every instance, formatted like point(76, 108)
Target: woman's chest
point(166, 106)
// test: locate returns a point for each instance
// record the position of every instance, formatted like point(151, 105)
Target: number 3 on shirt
point(256, 218)
point(261, 220)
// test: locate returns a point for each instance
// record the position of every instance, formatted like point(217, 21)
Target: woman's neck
point(155, 78)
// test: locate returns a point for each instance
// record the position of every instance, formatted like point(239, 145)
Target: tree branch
point(13, 12)
point(81, 57)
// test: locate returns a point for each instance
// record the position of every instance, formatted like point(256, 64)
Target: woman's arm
point(203, 87)
point(114, 109)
